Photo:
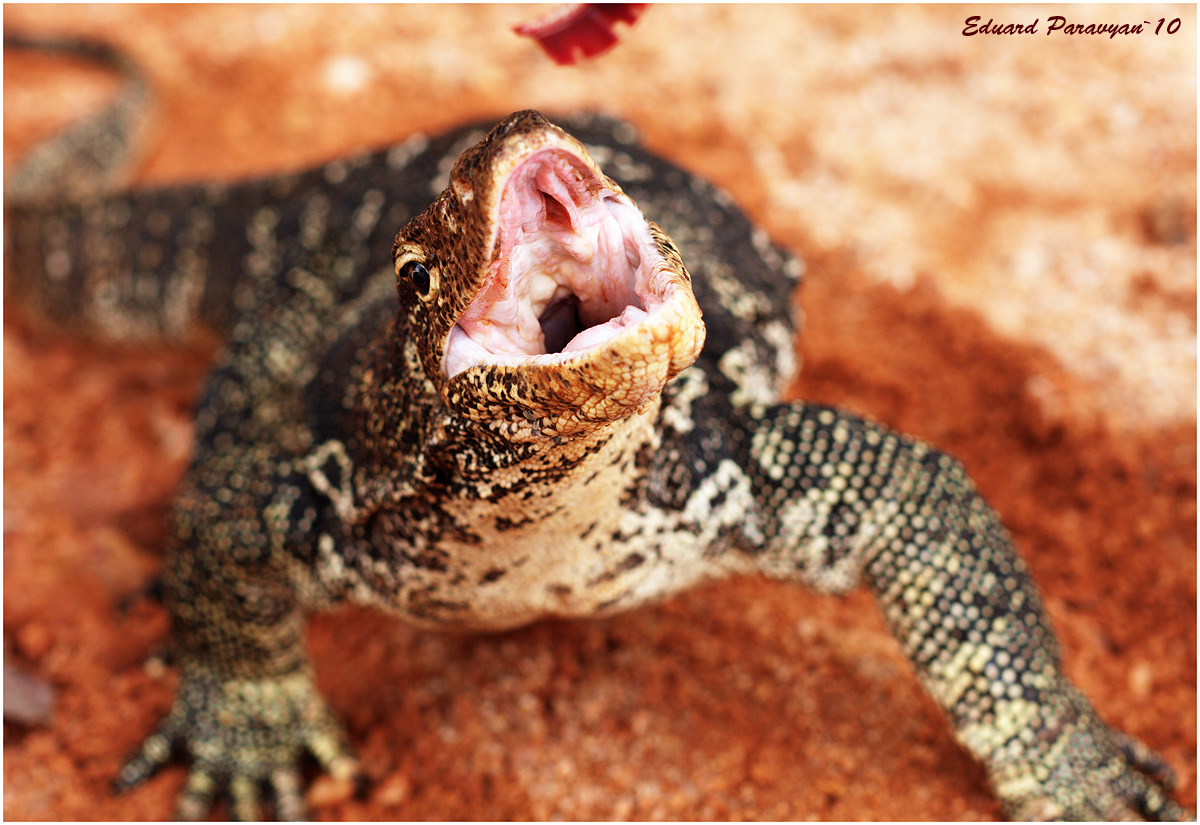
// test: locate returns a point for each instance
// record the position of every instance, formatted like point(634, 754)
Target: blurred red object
point(580, 30)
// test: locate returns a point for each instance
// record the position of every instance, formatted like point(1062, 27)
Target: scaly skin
point(336, 461)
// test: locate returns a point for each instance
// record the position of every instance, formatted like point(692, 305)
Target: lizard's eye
point(417, 274)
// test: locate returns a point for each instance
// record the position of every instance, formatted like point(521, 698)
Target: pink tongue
point(600, 333)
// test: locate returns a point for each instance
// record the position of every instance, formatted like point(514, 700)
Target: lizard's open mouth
point(574, 266)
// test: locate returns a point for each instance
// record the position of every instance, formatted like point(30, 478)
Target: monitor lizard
point(532, 402)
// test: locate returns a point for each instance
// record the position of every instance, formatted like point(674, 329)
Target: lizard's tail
point(145, 265)
point(82, 259)
point(94, 155)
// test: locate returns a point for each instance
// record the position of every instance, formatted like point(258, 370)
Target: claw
point(144, 763)
point(289, 802)
point(245, 737)
point(245, 799)
point(1172, 811)
point(1145, 760)
point(197, 797)
point(331, 750)
point(1156, 806)
point(362, 786)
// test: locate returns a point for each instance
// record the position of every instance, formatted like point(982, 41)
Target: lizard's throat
point(574, 267)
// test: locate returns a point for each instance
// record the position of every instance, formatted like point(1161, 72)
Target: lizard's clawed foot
point(1087, 771)
point(244, 735)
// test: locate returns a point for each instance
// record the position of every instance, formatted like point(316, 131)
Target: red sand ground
point(740, 700)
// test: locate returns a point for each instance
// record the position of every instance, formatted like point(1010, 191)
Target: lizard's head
point(543, 303)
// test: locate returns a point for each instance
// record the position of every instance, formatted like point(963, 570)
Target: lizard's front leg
point(842, 501)
point(247, 707)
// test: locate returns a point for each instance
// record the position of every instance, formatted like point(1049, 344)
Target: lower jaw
point(564, 396)
point(565, 339)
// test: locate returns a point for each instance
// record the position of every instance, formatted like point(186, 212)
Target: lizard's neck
point(406, 443)
point(439, 499)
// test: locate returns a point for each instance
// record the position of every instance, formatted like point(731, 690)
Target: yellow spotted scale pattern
point(846, 501)
point(333, 465)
